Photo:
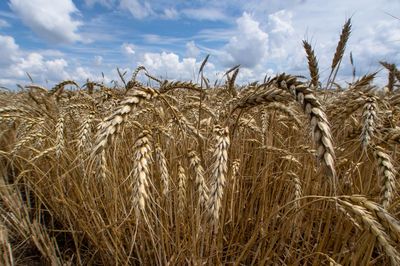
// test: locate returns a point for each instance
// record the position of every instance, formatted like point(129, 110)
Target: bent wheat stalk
point(321, 130)
point(112, 124)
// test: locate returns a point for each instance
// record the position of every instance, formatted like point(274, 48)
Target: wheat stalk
point(312, 64)
point(6, 253)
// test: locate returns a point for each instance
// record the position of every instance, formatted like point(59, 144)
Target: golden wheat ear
point(337, 58)
point(219, 169)
point(312, 64)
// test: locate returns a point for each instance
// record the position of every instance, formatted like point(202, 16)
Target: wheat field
point(285, 171)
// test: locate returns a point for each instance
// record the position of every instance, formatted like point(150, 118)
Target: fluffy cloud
point(15, 63)
point(285, 48)
point(248, 47)
point(9, 51)
point(169, 66)
point(39, 68)
point(50, 19)
point(138, 9)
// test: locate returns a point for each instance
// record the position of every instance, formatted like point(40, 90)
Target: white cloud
point(128, 49)
point(56, 69)
point(39, 68)
point(137, 8)
point(98, 60)
point(170, 13)
point(9, 51)
point(281, 22)
point(266, 37)
point(205, 13)
point(15, 63)
point(168, 65)
point(82, 74)
point(285, 47)
point(106, 3)
point(248, 47)
point(374, 35)
point(191, 49)
point(50, 19)
point(52, 53)
point(4, 24)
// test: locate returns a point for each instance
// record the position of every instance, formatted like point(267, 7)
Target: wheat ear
point(392, 69)
point(267, 95)
point(181, 188)
point(321, 130)
point(164, 174)
point(60, 142)
point(370, 120)
point(385, 218)
point(112, 125)
point(140, 182)
point(371, 225)
point(312, 64)
point(85, 134)
point(386, 170)
point(201, 186)
point(219, 170)
point(337, 58)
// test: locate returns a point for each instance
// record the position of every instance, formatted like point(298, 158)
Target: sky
point(54, 40)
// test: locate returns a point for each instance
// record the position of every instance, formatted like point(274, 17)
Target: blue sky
point(54, 40)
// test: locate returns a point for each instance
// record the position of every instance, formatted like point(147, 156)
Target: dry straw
point(235, 178)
